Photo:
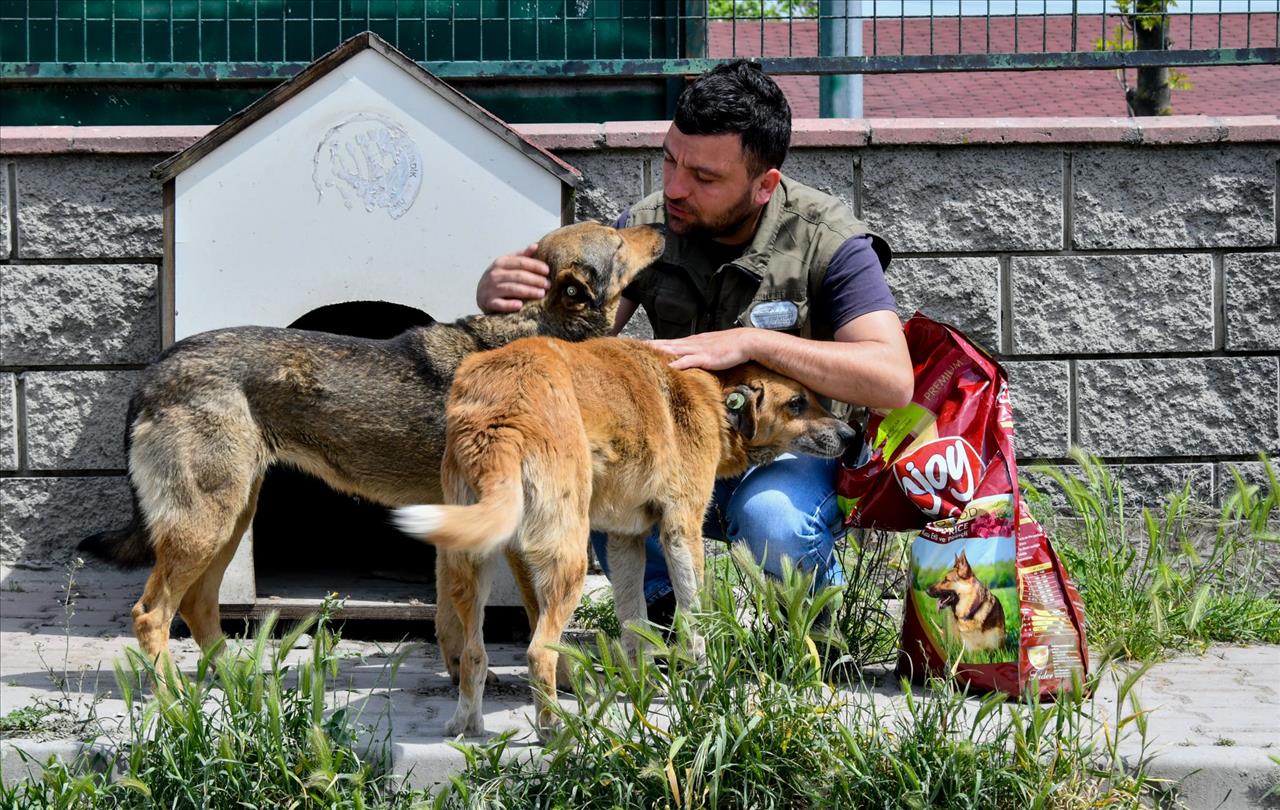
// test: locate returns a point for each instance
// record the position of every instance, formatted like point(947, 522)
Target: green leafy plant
point(1163, 593)
point(758, 9)
point(247, 730)
point(759, 724)
point(1144, 25)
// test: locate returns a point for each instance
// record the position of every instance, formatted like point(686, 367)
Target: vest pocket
point(673, 316)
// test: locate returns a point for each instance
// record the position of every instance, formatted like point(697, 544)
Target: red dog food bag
point(987, 599)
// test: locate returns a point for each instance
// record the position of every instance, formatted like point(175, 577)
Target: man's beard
point(724, 225)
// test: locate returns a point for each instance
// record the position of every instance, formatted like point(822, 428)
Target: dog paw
point(468, 725)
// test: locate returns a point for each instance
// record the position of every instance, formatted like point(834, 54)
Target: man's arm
point(867, 363)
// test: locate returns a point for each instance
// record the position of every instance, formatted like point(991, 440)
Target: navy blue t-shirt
point(854, 285)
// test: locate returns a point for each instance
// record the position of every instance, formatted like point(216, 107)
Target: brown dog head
point(774, 414)
point(590, 265)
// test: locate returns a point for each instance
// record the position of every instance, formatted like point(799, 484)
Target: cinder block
point(828, 170)
point(611, 182)
point(964, 199)
point(1098, 304)
point(4, 210)
point(76, 419)
point(73, 207)
point(79, 314)
point(1252, 290)
point(964, 292)
point(1041, 417)
point(1154, 197)
point(42, 519)
point(1178, 407)
point(1251, 472)
point(8, 421)
point(1143, 485)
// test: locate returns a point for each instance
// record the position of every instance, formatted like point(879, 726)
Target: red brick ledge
point(811, 132)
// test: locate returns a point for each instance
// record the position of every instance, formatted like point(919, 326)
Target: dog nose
point(846, 433)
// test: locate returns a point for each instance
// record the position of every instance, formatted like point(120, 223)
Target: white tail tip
point(418, 521)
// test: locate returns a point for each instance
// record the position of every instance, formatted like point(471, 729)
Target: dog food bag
point(987, 599)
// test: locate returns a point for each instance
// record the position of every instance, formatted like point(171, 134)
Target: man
point(757, 267)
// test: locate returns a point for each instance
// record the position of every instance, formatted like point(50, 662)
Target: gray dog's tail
point(127, 548)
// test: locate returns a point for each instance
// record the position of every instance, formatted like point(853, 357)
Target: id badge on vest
point(779, 315)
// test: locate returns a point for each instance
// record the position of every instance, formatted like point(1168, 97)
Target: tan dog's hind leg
point(529, 594)
point(682, 546)
point(448, 628)
point(626, 567)
point(561, 575)
point(468, 588)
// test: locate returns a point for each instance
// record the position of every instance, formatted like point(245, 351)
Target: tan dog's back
point(606, 420)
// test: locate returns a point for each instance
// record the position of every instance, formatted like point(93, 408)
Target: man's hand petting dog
point(714, 351)
point(511, 280)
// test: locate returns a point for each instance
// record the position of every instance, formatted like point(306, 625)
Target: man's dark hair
point(738, 98)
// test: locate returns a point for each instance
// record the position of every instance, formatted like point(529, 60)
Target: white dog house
point(359, 197)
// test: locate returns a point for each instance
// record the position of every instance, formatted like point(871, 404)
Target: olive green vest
point(800, 230)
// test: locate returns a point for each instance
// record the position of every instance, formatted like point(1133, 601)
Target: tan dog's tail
point(481, 527)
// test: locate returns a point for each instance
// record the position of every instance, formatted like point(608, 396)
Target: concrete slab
point(1214, 719)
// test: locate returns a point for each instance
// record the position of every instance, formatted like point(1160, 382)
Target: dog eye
point(798, 404)
point(573, 291)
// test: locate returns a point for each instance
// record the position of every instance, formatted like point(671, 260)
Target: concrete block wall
point(1128, 274)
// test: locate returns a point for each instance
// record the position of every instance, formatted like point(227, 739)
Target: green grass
point(759, 725)
point(254, 733)
point(1149, 589)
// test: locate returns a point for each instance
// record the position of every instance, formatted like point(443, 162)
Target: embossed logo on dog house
point(365, 190)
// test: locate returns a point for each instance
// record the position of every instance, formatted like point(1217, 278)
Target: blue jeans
point(783, 509)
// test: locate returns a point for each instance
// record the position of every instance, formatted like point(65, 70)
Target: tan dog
point(976, 614)
point(366, 416)
point(548, 439)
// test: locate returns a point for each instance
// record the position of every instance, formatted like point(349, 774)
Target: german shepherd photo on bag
point(966, 594)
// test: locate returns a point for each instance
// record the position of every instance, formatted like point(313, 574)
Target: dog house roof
point(368, 40)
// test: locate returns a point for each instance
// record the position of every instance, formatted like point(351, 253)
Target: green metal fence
point(622, 50)
point(253, 39)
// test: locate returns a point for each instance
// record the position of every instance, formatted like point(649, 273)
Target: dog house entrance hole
point(309, 539)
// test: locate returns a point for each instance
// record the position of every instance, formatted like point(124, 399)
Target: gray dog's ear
point(740, 407)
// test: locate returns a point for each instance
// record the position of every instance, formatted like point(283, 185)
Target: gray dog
point(366, 416)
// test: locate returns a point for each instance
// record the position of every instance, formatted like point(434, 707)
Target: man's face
point(708, 188)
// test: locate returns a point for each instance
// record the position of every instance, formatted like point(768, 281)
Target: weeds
point(1162, 594)
point(248, 729)
point(759, 725)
